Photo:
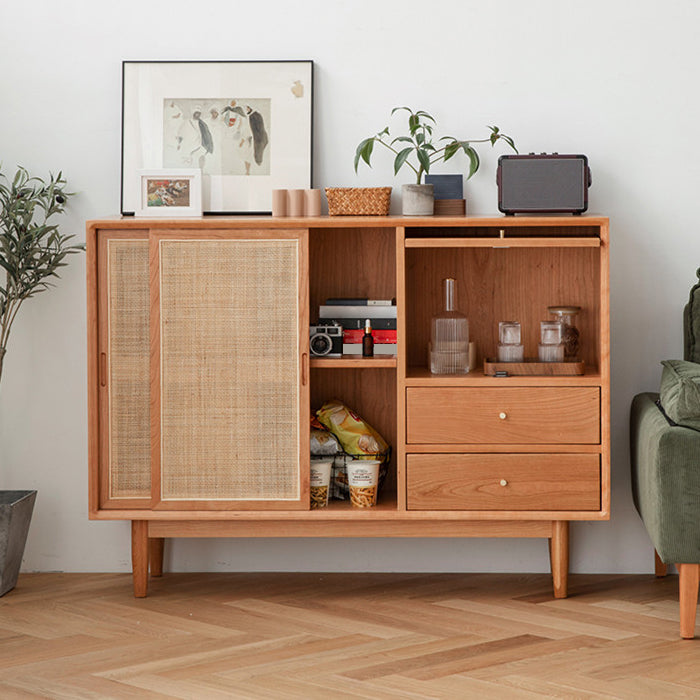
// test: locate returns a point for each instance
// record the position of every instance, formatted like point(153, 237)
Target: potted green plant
point(31, 252)
point(419, 150)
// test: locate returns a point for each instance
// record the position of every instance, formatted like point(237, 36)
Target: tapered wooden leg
point(559, 557)
point(156, 546)
point(660, 569)
point(688, 577)
point(139, 557)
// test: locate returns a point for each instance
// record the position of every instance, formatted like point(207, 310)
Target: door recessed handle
point(304, 369)
point(103, 369)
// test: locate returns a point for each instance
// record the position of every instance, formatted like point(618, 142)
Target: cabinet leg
point(659, 567)
point(139, 557)
point(559, 557)
point(688, 577)
point(156, 546)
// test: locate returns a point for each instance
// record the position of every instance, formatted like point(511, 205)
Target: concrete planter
point(417, 200)
point(15, 515)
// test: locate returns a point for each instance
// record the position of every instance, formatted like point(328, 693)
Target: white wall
point(609, 78)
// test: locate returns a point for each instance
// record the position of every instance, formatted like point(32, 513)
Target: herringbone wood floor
point(344, 636)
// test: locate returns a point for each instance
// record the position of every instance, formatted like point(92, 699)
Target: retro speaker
point(545, 183)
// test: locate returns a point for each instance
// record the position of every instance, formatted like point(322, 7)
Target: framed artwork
point(170, 193)
point(246, 125)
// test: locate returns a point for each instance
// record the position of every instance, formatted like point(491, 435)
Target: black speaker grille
point(543, 184)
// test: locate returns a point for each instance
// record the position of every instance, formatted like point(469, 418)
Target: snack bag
point(323, 443)
point(354, 435)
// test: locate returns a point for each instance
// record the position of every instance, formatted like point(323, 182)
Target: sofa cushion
point(680, 392)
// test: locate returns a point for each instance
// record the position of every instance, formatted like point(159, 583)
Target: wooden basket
point(358, 201)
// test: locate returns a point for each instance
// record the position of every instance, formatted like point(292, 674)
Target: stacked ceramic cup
point(296, 203)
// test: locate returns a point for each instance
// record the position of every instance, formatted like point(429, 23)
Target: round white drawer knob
point(504, 482)
point(502, 415)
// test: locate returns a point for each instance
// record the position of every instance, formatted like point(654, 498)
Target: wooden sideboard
point(201, 385)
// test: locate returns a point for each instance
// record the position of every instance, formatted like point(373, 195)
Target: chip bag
point(353, 433)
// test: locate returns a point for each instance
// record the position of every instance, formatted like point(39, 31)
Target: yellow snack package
point(353, 433)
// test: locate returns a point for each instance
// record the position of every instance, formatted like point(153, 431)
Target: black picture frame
point(247, 125)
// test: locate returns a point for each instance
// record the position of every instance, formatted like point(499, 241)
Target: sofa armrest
point(666, 480)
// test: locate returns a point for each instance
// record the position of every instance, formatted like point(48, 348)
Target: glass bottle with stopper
point(449, 337)
point(566, 315)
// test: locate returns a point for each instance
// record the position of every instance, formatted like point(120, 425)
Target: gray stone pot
point(15, 514)
point(417, 200)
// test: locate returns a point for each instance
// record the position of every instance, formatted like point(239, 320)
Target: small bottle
point(368, 340)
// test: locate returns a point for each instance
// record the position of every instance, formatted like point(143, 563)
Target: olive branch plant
point(31, 249)
point(420, 143)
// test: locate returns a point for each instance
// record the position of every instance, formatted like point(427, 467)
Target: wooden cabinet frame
point(533, 260)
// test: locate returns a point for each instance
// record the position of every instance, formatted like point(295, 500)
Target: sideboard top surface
point(325, 222)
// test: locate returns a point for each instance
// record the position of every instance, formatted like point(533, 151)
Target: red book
point(354, 335)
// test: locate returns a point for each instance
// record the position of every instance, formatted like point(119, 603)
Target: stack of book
point(352, 313)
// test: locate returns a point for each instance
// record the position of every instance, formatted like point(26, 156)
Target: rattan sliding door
point(229, 323)
point(124, 479)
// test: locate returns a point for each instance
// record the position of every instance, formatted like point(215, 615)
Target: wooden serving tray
point(533, 367)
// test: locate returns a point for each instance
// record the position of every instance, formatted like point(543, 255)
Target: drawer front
point(542, 482)
point(519, 415)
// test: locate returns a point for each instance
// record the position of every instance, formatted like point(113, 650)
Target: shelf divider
point(355, 362)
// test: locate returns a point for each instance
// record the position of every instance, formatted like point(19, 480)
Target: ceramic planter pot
point(417, 200)
point(15, 514)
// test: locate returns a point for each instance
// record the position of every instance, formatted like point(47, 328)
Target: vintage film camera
point(326, 341)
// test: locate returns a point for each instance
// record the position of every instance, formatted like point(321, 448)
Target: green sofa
point(665, 457)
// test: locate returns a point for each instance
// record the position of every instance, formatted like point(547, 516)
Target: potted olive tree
point(31, 252)
point(418, 150)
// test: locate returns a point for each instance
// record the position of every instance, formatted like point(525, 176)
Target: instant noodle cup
point(320, 482)
point(363, 478)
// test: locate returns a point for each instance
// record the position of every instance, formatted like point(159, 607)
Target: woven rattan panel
point(129, 388)
point(229, 369)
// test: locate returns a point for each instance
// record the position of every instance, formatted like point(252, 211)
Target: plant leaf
point(425, 115)
point(402, 139)
point(473, 158)
point(401, 159)
point(424, 160)
point(364, 151)
point(450, 150)
point(509, 141)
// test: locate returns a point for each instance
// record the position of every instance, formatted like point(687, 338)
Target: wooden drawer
point(540, 482)
point(518, 415)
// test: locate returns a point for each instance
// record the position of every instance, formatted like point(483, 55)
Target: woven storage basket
point(358, 201)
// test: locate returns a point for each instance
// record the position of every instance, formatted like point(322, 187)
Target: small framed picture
point(171, 192)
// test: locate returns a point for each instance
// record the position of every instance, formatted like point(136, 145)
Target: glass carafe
point(449, 337)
